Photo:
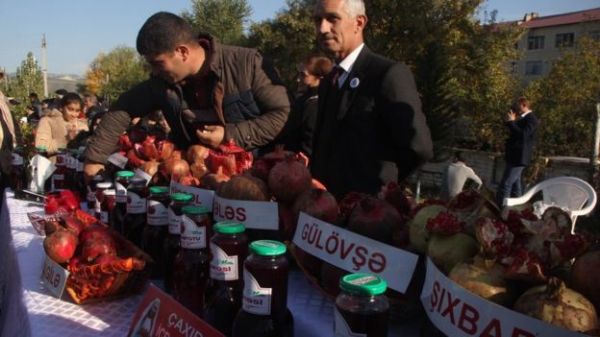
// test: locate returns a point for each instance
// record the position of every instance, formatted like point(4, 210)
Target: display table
point(27, 309)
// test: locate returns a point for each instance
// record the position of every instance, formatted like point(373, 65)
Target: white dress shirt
point(348, 63)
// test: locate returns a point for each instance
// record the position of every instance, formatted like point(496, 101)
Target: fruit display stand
point(28, 309)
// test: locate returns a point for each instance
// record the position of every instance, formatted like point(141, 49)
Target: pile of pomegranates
point(536, 266)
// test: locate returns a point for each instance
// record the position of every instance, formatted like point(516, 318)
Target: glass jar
point(178, 201)
point(58, 177)
point(157, 224)
point(264, 305)
point(361, 308)
point(229, 249)
point(190, 269)
point(107, 205)
point(135, 220)
point(91, 193)
point(100, 189)
point(122, 181)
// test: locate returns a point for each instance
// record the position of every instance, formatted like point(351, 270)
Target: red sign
point(159, 315)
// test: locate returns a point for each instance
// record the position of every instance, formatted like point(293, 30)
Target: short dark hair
point(459, 156)
point(69, 98)
point(162, 32)
point(33, 94)
point(523, 101)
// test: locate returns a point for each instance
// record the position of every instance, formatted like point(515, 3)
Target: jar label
point(17, 159)
point(121, 192)
point(135, 203)
point(257, 300)
point(104, 216)
point(157, 214)
point(91, 195)
point(118, 160)
point(174, 223)
point(341, 327)
point(222, 266)
point(192, 235)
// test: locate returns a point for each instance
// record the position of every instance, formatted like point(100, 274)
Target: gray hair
point(355, 8)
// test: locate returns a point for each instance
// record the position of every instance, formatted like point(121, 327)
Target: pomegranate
point(317, 184)
point(125, 143)
point(584, 281)
point(524, 265)
point(444, 223)
point(485, 279)
point(197, 153)
point(151, 167)
point(471, 205)
point(494, 236)
point(448, 251)
point(317, 203)
point(165, 149)
point(289, 178)
point(556, 304)
point(95, 232)
point(244, 187)
point(213, 181)
point(175, 168)
point(91, 249)
point(198, 169)
point(72, 224)
point(399, 197)
point(287, 222)
point(60, 245)
point(105, 259)
point(231, 157)
point(347, 205)
point(418, 234)
point(133, 159)
point(189, 180)
point(375, 219)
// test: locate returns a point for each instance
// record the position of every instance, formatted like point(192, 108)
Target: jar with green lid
point(122, 181)
point(178, 201)
point(190, 268)
point(361, 308)
point(264, 304)
point(135, 220)
point(157, 225)
point(229, 249)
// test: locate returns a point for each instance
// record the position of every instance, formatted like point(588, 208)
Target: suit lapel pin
point(354, 83)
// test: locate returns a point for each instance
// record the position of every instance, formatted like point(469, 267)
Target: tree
point(565, 101)
point(223, 19)
point(28, 78)
point(287, 39)
point(112, 74)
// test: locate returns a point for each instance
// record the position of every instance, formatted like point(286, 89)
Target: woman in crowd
point(58, 127)
point(301, 123)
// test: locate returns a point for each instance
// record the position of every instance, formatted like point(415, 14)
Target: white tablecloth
point(27, 309)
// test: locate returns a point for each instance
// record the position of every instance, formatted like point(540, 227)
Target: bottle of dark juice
point(190, 269)
point(229, 249)
point(178, 201)
point(362, 309)
point(157, 225)
point(264, 310)
point(122, 181)
point(135, 221)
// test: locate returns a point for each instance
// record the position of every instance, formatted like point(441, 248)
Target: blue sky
point(76, 31)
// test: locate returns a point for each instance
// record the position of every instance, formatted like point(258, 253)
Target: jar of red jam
point(157, 225)
point(107, 205)
point(100, 188)
point(229, 249)
point(361, 308)
point(178, 201)
point(190, 269)
point(264, 305)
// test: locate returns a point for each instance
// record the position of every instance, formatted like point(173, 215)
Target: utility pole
point(44, 66)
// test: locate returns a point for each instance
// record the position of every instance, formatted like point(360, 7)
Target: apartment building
point(546, 37)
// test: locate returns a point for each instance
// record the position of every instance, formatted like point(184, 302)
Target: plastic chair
point(568, 193)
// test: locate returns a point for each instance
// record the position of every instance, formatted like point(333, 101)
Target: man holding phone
point(521, 124)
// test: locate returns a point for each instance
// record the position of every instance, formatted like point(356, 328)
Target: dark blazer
point(370, 132)
point(298, 132)
point(519, 145)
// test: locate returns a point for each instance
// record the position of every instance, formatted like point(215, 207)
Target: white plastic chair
point(568, 193)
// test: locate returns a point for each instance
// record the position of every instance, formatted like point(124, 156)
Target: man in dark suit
point(370, 129)
point(521, 124)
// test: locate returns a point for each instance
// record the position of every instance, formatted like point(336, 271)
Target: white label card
point(460, 313)
point(253, 214)
point(54, 277)
point(202, 197)
point(355, 253)
point(118, 160)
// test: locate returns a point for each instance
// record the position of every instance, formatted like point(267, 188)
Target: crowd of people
point(357, 114)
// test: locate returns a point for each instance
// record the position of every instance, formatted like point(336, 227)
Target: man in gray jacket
point(208, 92)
